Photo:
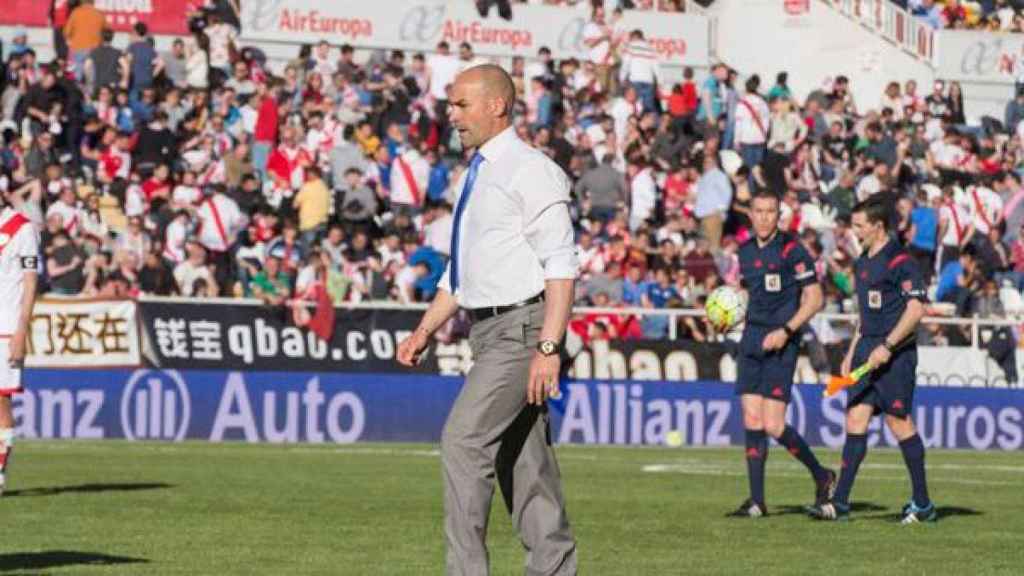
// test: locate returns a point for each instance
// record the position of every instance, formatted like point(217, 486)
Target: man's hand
point(879, 357)
point(16, 355)
point(410, 349)
point(775, 340)
point(543, 378)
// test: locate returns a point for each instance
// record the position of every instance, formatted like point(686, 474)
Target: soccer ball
point(725, 308)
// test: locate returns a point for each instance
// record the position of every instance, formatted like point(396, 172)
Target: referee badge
point(4, 239)
point(773, 282)
point(875, 299)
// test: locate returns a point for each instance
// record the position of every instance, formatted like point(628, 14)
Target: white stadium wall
point(759, 36)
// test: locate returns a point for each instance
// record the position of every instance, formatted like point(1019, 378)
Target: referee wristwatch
point(548, 347)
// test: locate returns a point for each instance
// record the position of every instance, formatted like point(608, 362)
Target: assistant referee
point(513, 265)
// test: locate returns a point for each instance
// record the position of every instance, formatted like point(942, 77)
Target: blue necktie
point(467, 187)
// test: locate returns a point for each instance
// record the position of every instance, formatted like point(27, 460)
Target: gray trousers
point(492, 433)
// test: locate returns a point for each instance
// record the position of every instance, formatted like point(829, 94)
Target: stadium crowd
point(201, 172)
point(993, 15)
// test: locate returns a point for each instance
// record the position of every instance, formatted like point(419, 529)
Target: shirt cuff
point(561, 265)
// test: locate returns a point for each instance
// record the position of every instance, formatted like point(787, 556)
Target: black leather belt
point(481, 314)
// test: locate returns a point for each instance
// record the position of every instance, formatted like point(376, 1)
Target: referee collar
point(493, 149)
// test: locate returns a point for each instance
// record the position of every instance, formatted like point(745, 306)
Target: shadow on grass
point(88, 489)
point(945, 512)
point(802, 509)
point(60, 559)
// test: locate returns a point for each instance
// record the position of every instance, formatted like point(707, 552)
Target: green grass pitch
point(115, 507)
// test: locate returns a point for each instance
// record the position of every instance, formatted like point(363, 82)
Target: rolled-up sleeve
point(444, 283)
point(548, 226)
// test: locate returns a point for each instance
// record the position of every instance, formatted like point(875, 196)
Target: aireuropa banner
point(984, 57)
point(77, 333)
point(680, 39)
point(149, 404)
point(161, 16)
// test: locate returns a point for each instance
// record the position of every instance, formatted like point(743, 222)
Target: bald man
point(513, 210)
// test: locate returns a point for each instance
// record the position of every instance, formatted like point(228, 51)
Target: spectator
point(197, 66)
point(313, 203)
point(410, 175)
point(194, 276)
point(174, 64)
point(83, 33)
point(271, 284)
point(752, 120)
point(714, 197)
point(604, 188)
point(142, 59)
point(65, 266)
point(640, 69)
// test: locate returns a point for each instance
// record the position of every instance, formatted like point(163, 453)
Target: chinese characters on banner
point(69, 334)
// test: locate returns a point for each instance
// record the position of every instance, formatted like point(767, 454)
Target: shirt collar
point(496, 146)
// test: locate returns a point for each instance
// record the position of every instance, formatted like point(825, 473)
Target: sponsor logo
point(670, 48)
point(990, 57)
point(874, 299)
point(621, 414)
point(262, 14)
point(155, 405)
point(315, 22)
point(144, 6)
point(422, 24)
point(570, 39)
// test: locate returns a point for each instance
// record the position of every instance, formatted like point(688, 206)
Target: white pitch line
point(875, 465)
point(709, 470)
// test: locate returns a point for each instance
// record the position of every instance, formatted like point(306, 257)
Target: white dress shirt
point(515, 231)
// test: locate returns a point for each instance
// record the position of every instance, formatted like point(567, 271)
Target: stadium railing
point(892, 23)
point(939, 315)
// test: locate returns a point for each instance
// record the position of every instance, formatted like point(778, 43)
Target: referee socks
point(854, 450)
point(913, 456)
point(757, 455)
point(791, 440)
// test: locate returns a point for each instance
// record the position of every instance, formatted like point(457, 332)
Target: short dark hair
point(141, 29)
point(753, 83)
point(766, 193)
point(875, 210)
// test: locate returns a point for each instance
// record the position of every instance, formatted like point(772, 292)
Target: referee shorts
point(767, 374)
point(888, 389)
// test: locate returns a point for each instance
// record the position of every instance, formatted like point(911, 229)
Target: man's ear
point(500, 108)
